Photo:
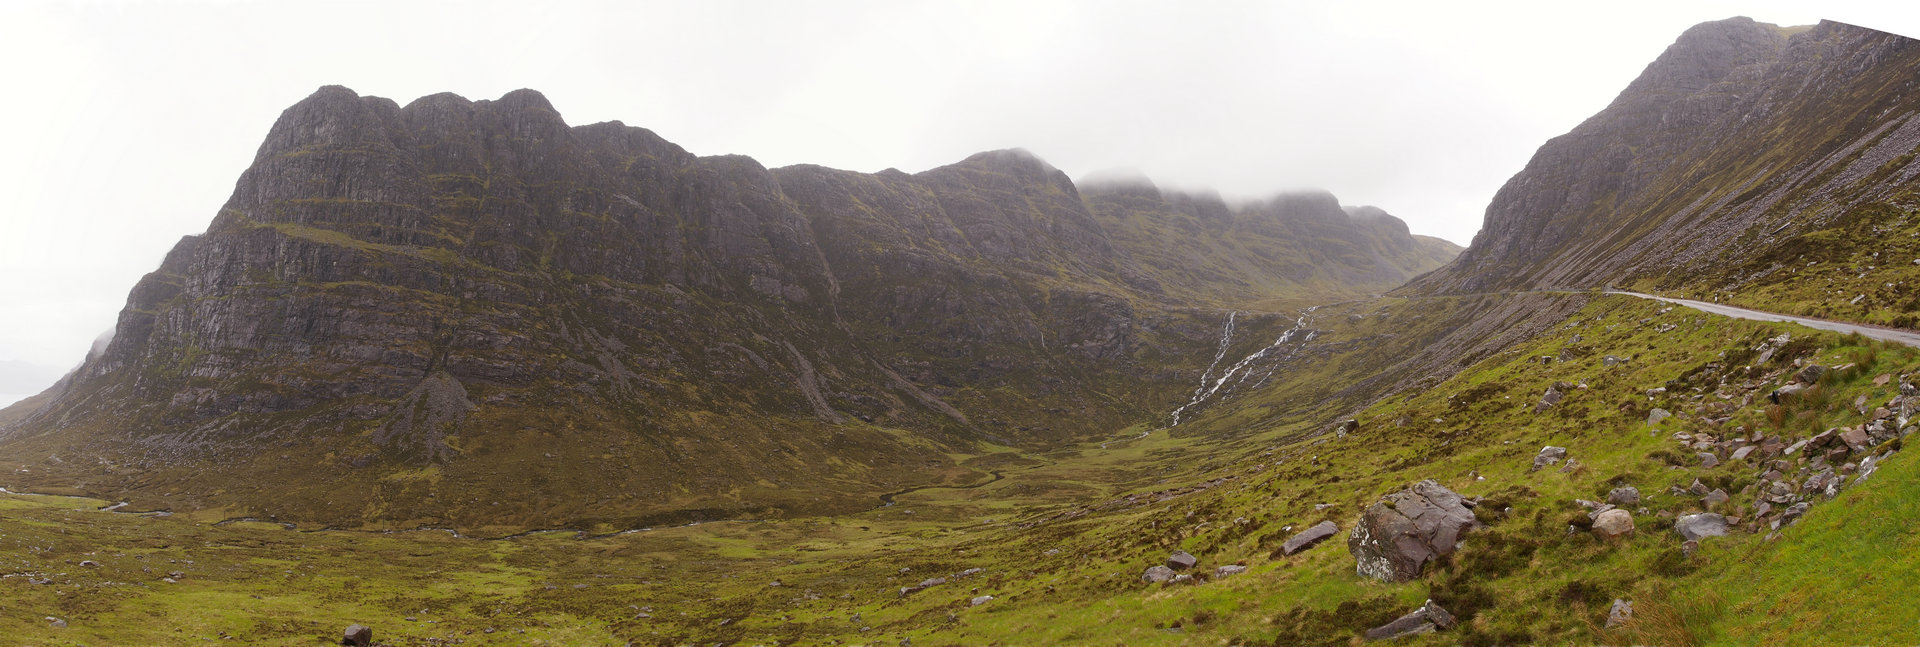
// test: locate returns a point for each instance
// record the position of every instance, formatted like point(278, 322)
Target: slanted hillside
point(469, 313)
point(1735, 153)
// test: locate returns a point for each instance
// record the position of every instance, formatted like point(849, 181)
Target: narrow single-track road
point(1895, 335)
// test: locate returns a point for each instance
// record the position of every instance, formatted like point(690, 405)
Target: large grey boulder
point(1180, 560)
point(358, 636)
point(1696, 526)
point(1426, 619)
point(1620, 614)
point(1310, 537)
point(1548, 455)
point(1157, 574)
point(1613, 523)
point(1396, 537)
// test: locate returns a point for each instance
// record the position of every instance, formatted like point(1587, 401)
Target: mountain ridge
point(590, 325)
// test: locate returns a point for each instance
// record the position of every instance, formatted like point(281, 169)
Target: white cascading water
point(1207, 390)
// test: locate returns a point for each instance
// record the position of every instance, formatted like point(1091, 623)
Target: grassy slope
point(1063, 537)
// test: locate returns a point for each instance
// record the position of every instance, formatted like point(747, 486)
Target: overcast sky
point(130, 121)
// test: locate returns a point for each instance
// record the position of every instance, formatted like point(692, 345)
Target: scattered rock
point(1182, 578)
point(1792, 514)
point(358, 636)
point(1688, 547)
point(1788, 391)
point(1696, 526)
point(1856, 439)
point(1715, 498)
point(1181, 561)
point(1426, 619)
point(1613, 523)
point(1229, 570)
point(1345, 427)
point(57, 623)
point(1550, 398)
point(1794, 447)
point(1310, 537)
point(1612, 361)
point(980, 600)
point(1548, 455)
point(1627, 495)
point(1397, 536)
point(1811, 374)
point(1157, 574)
point(1698, 488)
point(1620, 614)
point(1655, 416)
point(88, 563)
point(1743, 452)
point(1708, 460)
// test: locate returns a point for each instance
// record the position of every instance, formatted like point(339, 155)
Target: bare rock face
point(1396, 537)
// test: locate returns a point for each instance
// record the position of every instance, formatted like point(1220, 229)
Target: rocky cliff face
point(469, 313)
point(1739, 138)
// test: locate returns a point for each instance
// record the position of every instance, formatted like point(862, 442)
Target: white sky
point(130, 121)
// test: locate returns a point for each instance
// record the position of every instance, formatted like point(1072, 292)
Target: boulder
point(1612, 361)
point(1811, 374)
point(1229, 570)
point(1855, 439)
point(1346, 427)
point(1310, 537)
point(358, 636)
point(1708, 460)
point(1181, 561)
point(1715, 498)
point(1613, 523)
point(1548, 455)
point(1696, 526)
point(1626, 495)
point(1396, 537)
point(1426, 619)
point(1792, 514)
point(1788, 391)
point(1743, 452)
point(980, 600)
point(1655, 416)
point(1620, 614)
point(1157, 574)
point(1550, 398)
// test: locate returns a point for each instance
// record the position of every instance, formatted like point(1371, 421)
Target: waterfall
point(1210, 385)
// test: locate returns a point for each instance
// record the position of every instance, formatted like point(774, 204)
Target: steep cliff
point(469, 313)
point(1741, 138)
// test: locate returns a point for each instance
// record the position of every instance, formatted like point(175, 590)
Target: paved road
point(1907, 337)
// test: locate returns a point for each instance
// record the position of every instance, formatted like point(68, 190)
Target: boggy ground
point(1061, 540)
